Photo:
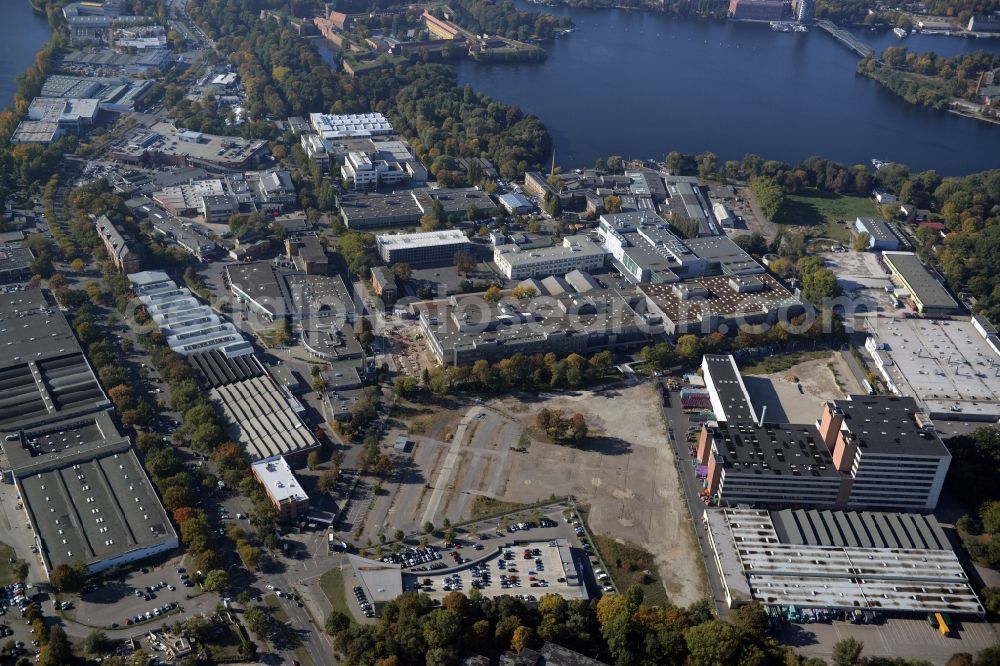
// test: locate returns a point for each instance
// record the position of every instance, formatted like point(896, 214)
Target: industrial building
point(422, 248)
point(926, 293)
point(362, 172)
point(880, 235)
point(721, 303)
point(455, 202)
point(190, 237)
point(274, 292)
point(463, 329)
point(686, 199)
point(282, 488)
point(37, 131)
point(15, 263)
point(865, 452)
point(87, 498)
point(114, 94)
point(189, 325)
point(371, 210)
point(516, 203)
point(43, 372)
point(120, 254)
point(575, 253)
point(952, 367)
point(263, 418)
point(834, 560)
point(71, 114)
point(330, 126)
point(165, 144)
point(644, 248)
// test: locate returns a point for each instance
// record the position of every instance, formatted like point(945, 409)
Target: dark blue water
point(640, 85)
point(22, 33)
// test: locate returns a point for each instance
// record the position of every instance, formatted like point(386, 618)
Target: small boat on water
point(900, 32)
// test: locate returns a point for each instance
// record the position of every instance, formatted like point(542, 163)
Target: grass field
point(824, 212)
point(629, 564)
point(6, 569)
point(485, 506)
point(783, 362)
point(332, 584)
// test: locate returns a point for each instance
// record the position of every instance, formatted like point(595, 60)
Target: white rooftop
point(278, 480)
point(832, 576)
point(422, 239)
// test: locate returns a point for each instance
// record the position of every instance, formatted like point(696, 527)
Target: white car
point(269, 586)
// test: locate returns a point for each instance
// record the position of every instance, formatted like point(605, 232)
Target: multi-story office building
point(575, 253)
point(868, 452)
point(120, 254)
point(422, 248)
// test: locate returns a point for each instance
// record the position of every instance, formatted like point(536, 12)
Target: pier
point(847, 39)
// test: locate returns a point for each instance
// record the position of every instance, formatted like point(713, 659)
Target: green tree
point(312, 460)
point(217, 580)
point(862, 241)
point(256, 621)
point(847, 652)
point(96, 642)
point(768, 193)
point(427, 527)
point(712, 643)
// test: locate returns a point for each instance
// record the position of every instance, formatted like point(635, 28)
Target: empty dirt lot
point(625, 472)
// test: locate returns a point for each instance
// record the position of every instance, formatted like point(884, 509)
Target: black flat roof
point(774, 448)
point(887, 424)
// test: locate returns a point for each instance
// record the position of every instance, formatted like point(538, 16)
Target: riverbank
point(24, 31)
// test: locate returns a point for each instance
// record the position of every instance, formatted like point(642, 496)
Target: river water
point(642, 84)
point(23, 32)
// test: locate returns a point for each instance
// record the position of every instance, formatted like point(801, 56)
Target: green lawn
point(782, 362)
point(6, 569)
point(824, 212)
point(332, 584)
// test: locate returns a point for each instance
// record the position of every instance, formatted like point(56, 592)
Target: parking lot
point(519, 568)
point(151, 590)
point(909, 638)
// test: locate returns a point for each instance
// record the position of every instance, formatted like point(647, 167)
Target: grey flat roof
point(43, 372)
point(877, 229)
point(86, 493)
point(928, 290)
point(381, 582)
point(721, 250)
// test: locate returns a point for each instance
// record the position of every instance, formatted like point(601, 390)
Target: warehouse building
point(263, 418)
point(926, 293)
point(952, 367)
point(87, 497)
point(282, 488)
point(826, 560)
point(880, 235)
point(190, 325)
point(43, 373)
point(575, 253)
point(422, 248)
